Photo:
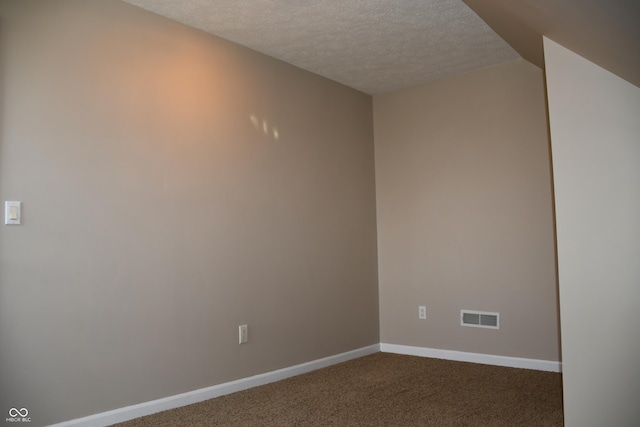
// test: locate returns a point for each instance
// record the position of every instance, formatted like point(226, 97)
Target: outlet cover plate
point(422, 312)
point(243, 334)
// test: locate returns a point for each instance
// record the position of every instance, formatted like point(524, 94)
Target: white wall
point(595, 137)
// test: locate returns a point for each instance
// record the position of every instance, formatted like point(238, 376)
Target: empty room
point(349, 213)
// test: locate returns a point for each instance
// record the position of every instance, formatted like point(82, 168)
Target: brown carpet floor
point(385, 390)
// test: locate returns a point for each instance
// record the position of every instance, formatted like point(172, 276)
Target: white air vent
point(480, 319)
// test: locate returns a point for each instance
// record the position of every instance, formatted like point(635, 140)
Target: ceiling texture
point(378, 46)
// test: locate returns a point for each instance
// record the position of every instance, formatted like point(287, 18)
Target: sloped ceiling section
point(374, 46)
point(606, 32)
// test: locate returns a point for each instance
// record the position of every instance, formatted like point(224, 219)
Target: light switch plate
point(12, 213)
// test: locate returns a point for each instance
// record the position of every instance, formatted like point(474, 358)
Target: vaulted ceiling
point(606, 32)
point(378, 46)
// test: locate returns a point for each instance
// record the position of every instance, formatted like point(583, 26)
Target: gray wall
point(595, 137)
point(174, 186)
point(465, 217)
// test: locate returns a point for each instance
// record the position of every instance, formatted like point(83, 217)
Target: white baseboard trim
point(461, 356)
point(147, 408)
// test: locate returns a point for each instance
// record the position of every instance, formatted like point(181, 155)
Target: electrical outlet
point(422, 312)
point(243, 334)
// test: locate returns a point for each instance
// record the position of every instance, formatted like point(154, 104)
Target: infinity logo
point(23, 412)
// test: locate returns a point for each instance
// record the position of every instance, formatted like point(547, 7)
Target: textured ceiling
point(374, 46)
